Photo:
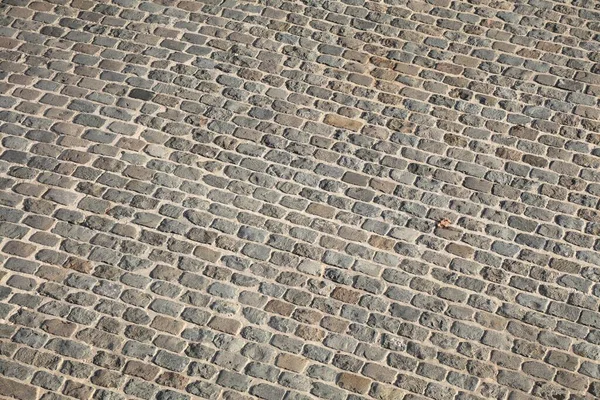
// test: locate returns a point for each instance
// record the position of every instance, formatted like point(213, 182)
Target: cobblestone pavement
point(272, 199)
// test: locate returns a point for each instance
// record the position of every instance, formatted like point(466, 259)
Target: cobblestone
point(291, 200)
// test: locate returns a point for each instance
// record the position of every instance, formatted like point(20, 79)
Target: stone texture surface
point(291, 200)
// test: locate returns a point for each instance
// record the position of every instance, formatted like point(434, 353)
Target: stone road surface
point(300, 199)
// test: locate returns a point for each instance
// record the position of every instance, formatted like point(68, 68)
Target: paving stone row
point(292, 200)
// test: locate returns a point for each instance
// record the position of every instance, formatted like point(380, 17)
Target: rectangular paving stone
point(288, 200)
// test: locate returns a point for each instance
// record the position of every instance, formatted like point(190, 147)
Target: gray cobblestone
point(294, 200)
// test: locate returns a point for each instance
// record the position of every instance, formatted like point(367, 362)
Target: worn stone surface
point(290, 200)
